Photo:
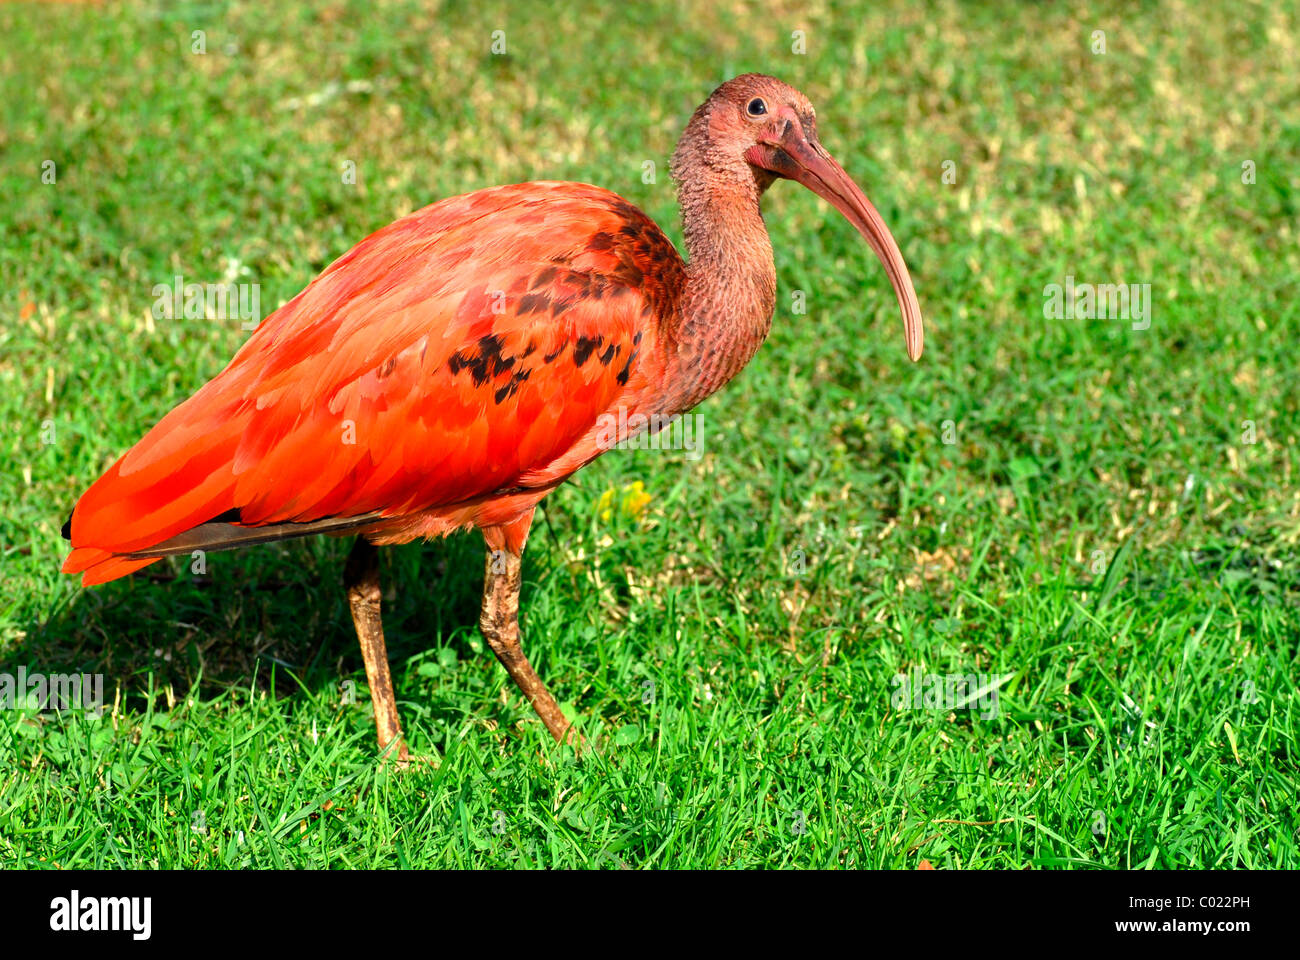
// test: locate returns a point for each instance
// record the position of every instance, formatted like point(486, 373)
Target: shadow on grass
point(269, 617)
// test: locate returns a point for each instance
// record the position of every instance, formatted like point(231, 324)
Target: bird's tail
point(100, 566)
point(97, 565)
point(174, 492)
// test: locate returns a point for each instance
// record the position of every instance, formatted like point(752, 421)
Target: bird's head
point(756, 126)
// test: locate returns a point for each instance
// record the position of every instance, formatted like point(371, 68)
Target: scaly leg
point(499, 620)
point(361, 576)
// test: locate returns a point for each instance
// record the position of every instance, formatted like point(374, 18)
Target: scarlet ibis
point(451, 370)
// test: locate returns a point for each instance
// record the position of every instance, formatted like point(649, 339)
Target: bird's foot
point(398, 754)
point(413, 761)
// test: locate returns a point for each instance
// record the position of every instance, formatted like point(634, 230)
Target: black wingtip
point(67, 528)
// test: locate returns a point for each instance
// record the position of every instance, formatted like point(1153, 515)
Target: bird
point(456, 366)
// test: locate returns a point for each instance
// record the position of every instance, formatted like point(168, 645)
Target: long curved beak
point(804, 160)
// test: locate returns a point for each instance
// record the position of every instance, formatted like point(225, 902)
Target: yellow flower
point(634, 500)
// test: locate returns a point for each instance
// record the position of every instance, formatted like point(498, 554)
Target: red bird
point(455, 367)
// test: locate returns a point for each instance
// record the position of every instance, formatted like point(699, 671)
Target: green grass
point(1098, 530)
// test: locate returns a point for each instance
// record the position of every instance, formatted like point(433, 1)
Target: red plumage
point(467, 350)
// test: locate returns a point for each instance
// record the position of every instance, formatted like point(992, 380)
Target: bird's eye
point(756, 107)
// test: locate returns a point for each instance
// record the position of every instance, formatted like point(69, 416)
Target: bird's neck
point(730, 287)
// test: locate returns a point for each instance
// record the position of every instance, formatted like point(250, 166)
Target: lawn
point(1098, 517)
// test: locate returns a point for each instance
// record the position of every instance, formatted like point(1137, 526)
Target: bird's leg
point(499, 621)
point(361, 576)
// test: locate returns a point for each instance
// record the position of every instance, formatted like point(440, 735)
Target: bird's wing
point(450, 355)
